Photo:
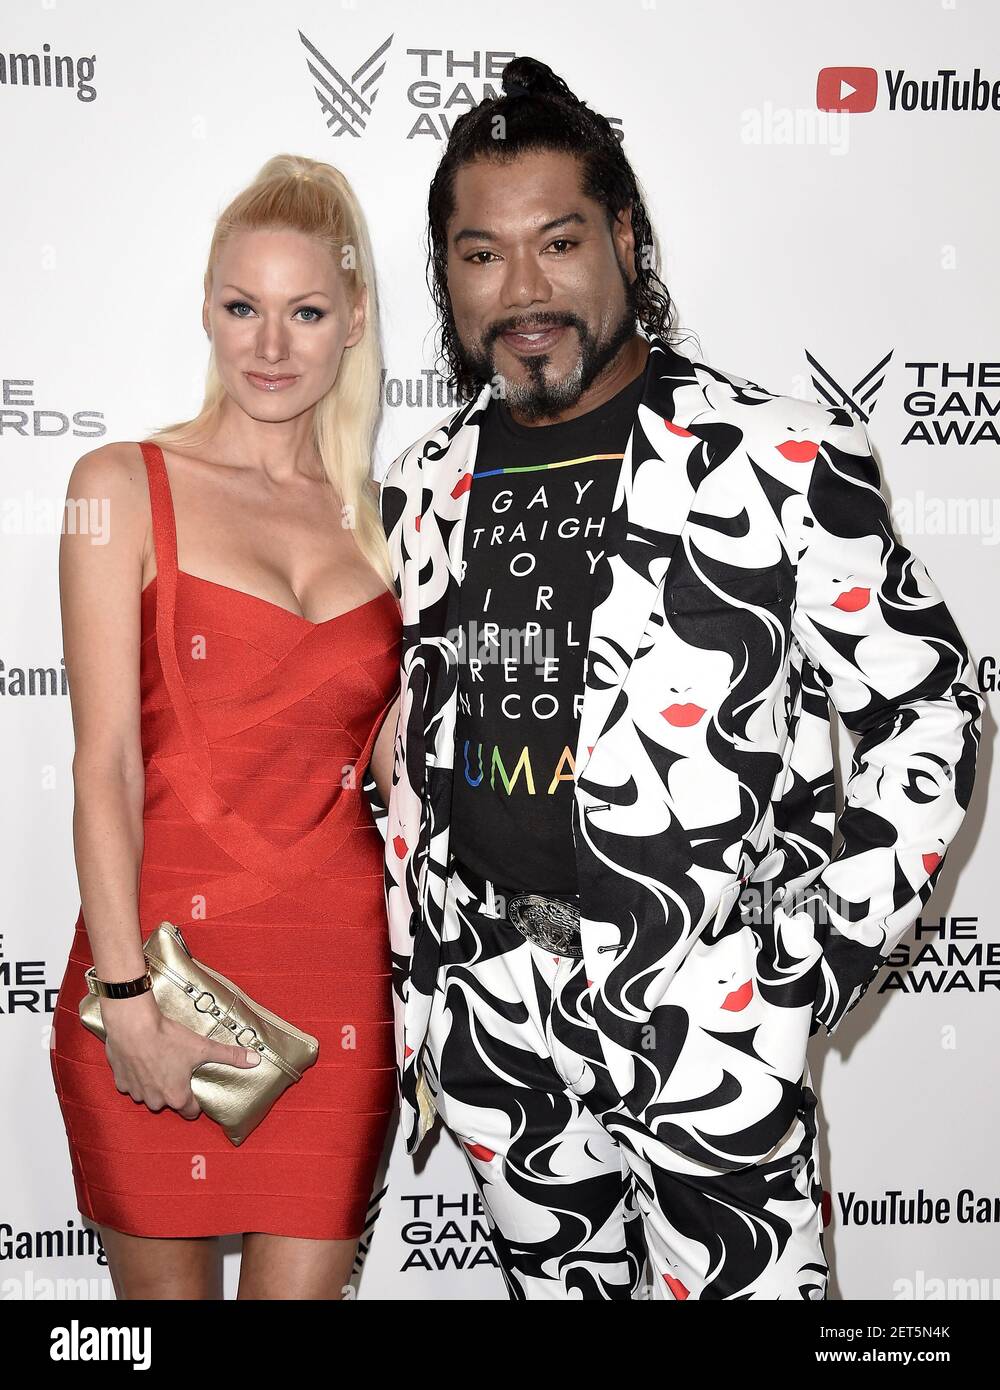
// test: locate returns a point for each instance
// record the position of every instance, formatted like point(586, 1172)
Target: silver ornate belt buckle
point(548, 922)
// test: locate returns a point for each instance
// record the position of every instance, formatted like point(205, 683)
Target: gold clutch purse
point(186, 990)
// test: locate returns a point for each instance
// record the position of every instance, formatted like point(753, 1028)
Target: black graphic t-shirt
point(537, 526)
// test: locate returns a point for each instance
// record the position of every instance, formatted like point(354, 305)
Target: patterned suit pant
point(578, 1193)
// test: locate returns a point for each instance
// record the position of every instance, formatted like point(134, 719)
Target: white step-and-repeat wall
point(845, 256)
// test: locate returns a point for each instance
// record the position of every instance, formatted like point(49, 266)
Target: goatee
point(534, 397)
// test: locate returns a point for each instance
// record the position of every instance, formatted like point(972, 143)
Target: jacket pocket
point(766, 588)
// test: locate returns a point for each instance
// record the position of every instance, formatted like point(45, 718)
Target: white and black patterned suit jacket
point(751, 576)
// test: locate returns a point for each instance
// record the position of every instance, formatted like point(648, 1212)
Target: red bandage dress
point(257, 729)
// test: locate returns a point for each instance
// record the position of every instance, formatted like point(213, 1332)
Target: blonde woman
point(233, 655)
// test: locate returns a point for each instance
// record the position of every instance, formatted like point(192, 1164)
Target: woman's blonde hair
point(304, 195)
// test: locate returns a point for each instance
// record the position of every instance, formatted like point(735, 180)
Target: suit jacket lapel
point(660, 473)
point(447, 477)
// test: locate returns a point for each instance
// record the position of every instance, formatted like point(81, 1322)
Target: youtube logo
point(847, 89)
point(854, 90)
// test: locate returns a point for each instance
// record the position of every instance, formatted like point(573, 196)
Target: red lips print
point(463, 485)
point(798, 450)
point(738, 999)
point(481, 1152)
point(676, 429)
point(682, 716)
point(930, 861)
point(399, 845)
point(852, 600)
point(675, 1286)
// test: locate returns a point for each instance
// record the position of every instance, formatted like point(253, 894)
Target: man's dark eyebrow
point(480, 234)
point(253, 298)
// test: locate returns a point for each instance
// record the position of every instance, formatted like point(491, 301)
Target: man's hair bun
point(527, 77)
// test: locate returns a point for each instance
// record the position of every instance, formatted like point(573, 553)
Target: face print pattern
point(415, 824)
point(895, 666)
point(751, 579)
point(578, 1191)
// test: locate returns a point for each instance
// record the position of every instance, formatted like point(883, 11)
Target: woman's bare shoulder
point(116, 459)
point(107, 483)
point(117, 464)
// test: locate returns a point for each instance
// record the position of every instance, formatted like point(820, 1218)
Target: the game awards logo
point(859, 397)
point(346, 102)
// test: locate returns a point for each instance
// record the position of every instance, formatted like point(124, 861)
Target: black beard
point(537, 398)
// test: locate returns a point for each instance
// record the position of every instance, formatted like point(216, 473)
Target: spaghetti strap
point(161, 507)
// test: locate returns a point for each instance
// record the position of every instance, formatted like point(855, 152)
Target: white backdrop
point(820, 255)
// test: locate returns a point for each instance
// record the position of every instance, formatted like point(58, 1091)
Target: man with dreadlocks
point(632, 585)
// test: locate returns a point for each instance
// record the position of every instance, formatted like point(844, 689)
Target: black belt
point(549, 920)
